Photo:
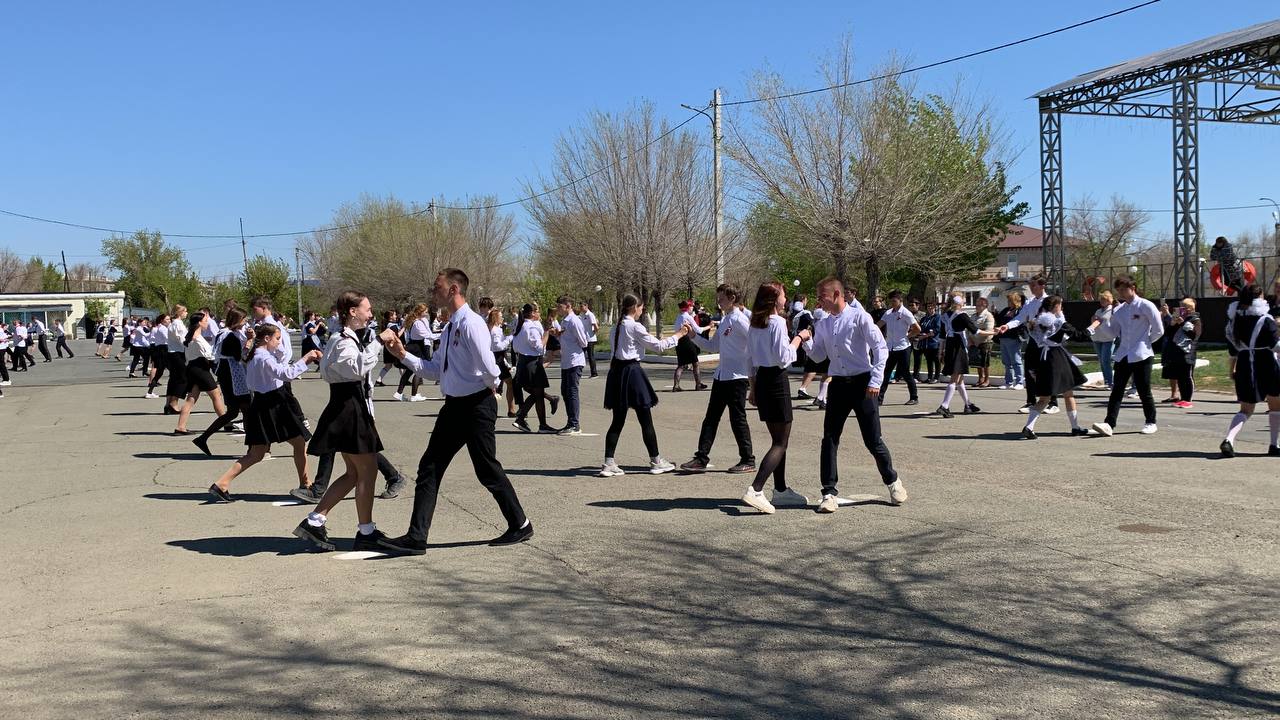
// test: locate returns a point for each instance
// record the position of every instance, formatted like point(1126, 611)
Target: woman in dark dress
point(1253, 331)
point(955, 355)
point(1056, 373)
point(346, 426)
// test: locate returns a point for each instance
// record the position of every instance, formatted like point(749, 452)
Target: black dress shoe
point(1273, 450)
point(912, 401)
point(1028, 433)
point(168, 410)
point(514, 535)
point(317, 536)
point(555, 403)
point(203, 444)
point(1079, 431)
point(944, 412)
point(403, 545)
point(220, 495)
point(368, 542)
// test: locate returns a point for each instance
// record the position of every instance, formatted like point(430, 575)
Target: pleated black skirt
point(686, 351)
point(627, 386)
point(1257, 376)
point(345, 426)
point(955, 358)
point(176, 364)
point(269, 419)
point(530, 374)
point(200, 376)
point(504, 367)
point(773, 394)
point(1055, 374)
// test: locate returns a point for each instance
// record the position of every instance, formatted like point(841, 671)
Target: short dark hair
point(1124, 281)
point(484, 304)
point(894, 294)
point(730, 291)
point(261, 301)
point(456, 277)
point(1040, 279)
point(564, 300)
point(830, 280)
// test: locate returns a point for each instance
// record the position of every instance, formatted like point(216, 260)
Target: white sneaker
point(1025, 409)
point(398, 396)
point(828, 504)
point(237, 427)
point(611, 470)
point(659, 466)
point(417, 398)
point(1149, 429)
point(1019, 386)
point(758, 501)
point(149, 396)
point(897, 493)
point(789, 498)
point(1052, 410)
point(1131, 394)
point(1103, 429)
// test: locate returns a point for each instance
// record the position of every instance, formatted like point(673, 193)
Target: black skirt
point(312, 342)
point(530, 374)
point(345, 426)
point(200, 376)
point(269, 419)
point(686, 351)
point(1257, 376)
point(176, 364)
point(812, 366)
point(504, 367)
point(1055, 374)
point(627, 386)
point(955, 358)
point(773, 394)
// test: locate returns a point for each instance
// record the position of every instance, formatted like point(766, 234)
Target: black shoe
point(181, 432)
point(522, 426)
point(555, 403)
point(694, 466)
point(379, 383)
point(310, 495)
point(1028, 433)
point(547, 430)
point(742, 468)
point(944, 412)
point(220, 495)
point(317, 536)
point(1273, 450)
point(1080, 432)
point(203, 444)
point(403, 545)
point(912, 401)
point(971, 409)
point(514, 535)
point(369, 542)
point(394, 488)
point(168, 410)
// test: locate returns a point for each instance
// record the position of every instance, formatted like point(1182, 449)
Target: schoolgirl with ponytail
point(199, 372)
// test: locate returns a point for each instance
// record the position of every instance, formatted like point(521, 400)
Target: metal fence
point(1158, 279)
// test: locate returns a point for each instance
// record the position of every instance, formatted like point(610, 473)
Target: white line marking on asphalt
point(358, 555)
point(285, 503)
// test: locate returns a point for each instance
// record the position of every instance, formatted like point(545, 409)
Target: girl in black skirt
point(530, 341)
point(1055, 372)
point(390, 321)
point(418, 337)
point(955, 355)
point(231, 379)
point(346, 426)
point(771, 354)
point(200, 359)
point(270, 418)
point(1254, 333)
point(98, 336)
point(159, 339)
point(627, 387)
point(686, 349)
point(501, 343)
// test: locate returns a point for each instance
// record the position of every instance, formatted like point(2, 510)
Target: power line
point(947, 61)
point(593, 173)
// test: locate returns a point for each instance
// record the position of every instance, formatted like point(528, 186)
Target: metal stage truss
point(1236, 75)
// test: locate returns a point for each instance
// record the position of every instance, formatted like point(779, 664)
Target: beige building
point(1019, 256)
point(51, 306)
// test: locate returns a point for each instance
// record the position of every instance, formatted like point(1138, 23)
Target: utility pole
point(1275, 215)
point(718, 181)
point(431, 208)
point(66, 277)
point(244, 250)
point(297, 276)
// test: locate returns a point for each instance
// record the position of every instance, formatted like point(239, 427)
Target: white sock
point(964, 392)
point(1071, 415)
point(609, 461)
point(1274, 417)
point(382, 374)
point(526, 524)
point(1032, 414)
point(1237, 424)
point(655, 458)
point(822, 390)
point(946, 395)
point(315, 519)
point(366, 528)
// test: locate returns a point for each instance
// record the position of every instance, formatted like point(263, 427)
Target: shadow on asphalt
point(183, 456)
point(243, 546)
point(584, 471)
point(724, 505)
point(205, 498)
point(1167, 454)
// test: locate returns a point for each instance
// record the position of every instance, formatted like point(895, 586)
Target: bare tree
point(1102, 238)
point(13, 272)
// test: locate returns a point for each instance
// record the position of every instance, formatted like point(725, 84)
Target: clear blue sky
point(184, 117)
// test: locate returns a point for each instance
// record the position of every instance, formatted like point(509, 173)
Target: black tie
point(447, 329)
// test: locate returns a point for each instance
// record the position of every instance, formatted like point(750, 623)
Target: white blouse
point(770, 346)
point(199, 348)
point(345, 361)
point(266, 373)
point(529, 340)
point(630, 339)
point(500, 341)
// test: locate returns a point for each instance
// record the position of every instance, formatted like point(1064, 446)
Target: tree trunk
point(657, 312)
point(873, 278)
point(919, 286)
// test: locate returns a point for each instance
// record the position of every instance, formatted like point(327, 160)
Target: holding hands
point(391, 341)
point(312, 357)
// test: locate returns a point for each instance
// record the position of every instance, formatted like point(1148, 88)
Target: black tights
point(774, 461)
point(646, 430)
point(536, 398)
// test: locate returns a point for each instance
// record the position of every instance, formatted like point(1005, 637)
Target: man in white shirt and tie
point(573, 358)
point(729, 384)
point(1137, 323)
point(900, 328)
point(857, 351)
point(468, 375)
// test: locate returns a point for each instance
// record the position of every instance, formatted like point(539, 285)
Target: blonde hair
point(1189, 303)
point(1014, 297)
point(1107, 294)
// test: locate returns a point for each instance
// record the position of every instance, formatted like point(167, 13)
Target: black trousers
point(159, 354)
point(4, 371)
point(62, 345)
point(569, 379)
point(20, 358)
point(324, 469)
point(899, 359)
point(1141, 373)
point(463, 421)
point(591, 357)
point(42, 344)
point(845, 395)
point(731, 394)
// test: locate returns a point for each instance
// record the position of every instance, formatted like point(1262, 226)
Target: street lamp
point(1275, 215)
point(717, 181)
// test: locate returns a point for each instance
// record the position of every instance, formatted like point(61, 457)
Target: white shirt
point(465, 349)
point(285, 352)
point(266, 373)
point(1137, 325)
point(631, 338)
point(4, 340)
point(177, 335)
point(140, 337)
point(853, 344)
point(730, 340)
point(160, 335)
point(529, 340)
point(211, 330)
point(21, 333)
point(57, 329)
point(345, 361)
point(770, 346)
point(421, 330)
point(1030, 310)
point(500, 341)
point(199, 348)
point(897, 325)
point(591, 324)
point(685, 318)
point(573, 342)
point(37, 327)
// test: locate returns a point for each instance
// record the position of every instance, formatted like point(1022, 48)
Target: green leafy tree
point(269, 276)
point(153, 273)
point(51, 277)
